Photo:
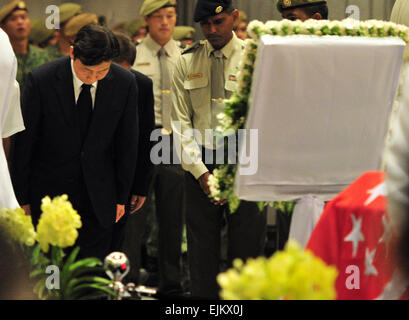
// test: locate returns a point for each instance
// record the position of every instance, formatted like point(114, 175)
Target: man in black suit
point(81, 137)
point(129, 231)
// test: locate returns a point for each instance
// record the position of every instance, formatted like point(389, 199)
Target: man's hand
point(27, 209)
point(120, 211)
point(137, 203)
point(204, 184)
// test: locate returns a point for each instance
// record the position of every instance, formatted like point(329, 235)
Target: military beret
point(133, 26)
point(10, 8)
point(39, 32)
point(75, 24)
point(150, 6)
point(183, 32)
point(69, 10)
point(207, 8)
point(289, 4)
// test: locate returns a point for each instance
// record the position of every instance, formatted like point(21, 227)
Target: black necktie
point(84, 105)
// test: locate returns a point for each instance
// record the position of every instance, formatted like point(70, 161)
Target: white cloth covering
point(8, 67)
point(321, 106)
point(13, 120)
point(306, 214)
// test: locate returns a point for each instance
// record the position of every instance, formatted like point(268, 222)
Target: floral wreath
point(234, 116)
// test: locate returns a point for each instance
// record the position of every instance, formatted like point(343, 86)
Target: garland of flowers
point(235, 113)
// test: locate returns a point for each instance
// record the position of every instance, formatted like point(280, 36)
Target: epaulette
point(193, 47)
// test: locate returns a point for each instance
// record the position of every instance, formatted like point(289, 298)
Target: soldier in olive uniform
point(40, 35)
point(184, 34)
point(303, 9)
point(137, 30)
point(206, 74)
point(62, 48)
point(155, 58)
point(15, 21)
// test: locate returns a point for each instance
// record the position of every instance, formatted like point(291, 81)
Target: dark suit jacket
point(49, 158)
point(145, 168)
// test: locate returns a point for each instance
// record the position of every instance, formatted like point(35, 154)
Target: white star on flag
point(356, 235)
point(369, 267)
point(378, 191)
point(386, 237)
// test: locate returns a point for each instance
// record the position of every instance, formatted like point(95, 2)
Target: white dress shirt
point(78, 86)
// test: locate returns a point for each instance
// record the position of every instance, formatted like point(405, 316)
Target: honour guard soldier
point(185, 35)
point(204, 76)
point(68, 10)
point(15, 21)
point(156, 57)
point(303, 9)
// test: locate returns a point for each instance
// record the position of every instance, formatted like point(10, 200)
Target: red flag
point(354, 235)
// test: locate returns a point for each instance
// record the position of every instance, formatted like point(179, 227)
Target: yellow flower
point(58, 223)
point(293, 274)
point(18, 226)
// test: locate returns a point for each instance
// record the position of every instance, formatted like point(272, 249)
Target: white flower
point(272, 25)
point(253, 25)
point(285, 25)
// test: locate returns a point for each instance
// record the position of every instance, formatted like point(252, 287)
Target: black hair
point(95, 44)
point(320, 8)
point(127, 49)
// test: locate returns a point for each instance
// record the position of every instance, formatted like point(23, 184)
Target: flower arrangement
point(236, 109)
point(292, 274)
point(56, 230)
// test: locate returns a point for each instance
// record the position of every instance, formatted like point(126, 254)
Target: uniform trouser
point(246, 237)
point(169, 194)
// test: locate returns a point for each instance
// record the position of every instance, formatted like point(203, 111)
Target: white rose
point(252, 26)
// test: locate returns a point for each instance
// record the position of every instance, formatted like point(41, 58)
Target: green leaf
point(71, 258)
point(35, 255)
point(78, 292)
point(75, 282)
point(37, 272)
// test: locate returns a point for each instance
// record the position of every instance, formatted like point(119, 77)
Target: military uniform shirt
point(193, 105)
point(147, 62)
point(34, 58)
point(54, 52)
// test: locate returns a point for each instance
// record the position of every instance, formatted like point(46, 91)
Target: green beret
point(10, 8)
point(290, 4)
point(39, 32)
point(183, 32)
point(76, 23)
point(69, 10)
point(133, 26)
point(150, 6)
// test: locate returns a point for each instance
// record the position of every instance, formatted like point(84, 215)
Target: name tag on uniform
point(195, 76)
point(232, 77)
point(143, 64)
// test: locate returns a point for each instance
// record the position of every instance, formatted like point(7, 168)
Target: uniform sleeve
point(181, 116)
point(396, 160)
point(13, 121)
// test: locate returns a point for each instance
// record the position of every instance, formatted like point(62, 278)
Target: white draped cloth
point(321, 106)
point(10, 116)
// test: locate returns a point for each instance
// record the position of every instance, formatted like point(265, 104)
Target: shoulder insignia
point(192, 48)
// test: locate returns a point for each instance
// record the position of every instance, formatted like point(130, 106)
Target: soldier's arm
point(181, 116)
